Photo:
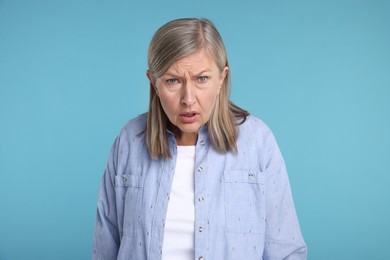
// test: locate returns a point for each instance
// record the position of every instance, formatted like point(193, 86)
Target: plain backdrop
point(72, 73)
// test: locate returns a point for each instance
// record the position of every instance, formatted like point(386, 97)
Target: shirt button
point(202, 143)
point(200, 258)
point(250, 176)
point(200, 229)
point(200, 169)
point(201, 199)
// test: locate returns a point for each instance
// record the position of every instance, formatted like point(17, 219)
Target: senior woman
point(196, 177)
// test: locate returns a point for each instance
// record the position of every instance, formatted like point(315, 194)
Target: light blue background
point(73, 72)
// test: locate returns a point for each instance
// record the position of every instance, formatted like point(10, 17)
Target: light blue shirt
point(243, 203)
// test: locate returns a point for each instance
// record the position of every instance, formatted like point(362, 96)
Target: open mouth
point(188, 114)
point(189, 117)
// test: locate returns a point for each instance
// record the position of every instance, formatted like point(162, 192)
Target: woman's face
point(188, 91)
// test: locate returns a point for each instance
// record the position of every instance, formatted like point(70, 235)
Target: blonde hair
point(172, 41)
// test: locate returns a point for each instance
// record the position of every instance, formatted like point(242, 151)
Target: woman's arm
point(106, 241)
point(283, 238)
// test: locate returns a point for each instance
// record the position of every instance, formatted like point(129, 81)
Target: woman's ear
point(224, 73)
point(151, 79)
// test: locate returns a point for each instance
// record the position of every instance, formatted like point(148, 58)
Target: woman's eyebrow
point(176, 75)
point(169, 74)
point(203, 71)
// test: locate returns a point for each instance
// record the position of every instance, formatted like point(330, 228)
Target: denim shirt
point(243, 203)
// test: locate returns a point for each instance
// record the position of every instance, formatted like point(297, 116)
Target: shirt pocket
point(244, 201)
point(128, 190)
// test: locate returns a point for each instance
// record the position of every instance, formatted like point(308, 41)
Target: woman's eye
point(172, 81)
point(202, 79)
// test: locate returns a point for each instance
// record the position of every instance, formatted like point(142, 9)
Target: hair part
point(175, 40)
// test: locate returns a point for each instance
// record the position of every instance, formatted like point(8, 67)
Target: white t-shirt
point(179, 223)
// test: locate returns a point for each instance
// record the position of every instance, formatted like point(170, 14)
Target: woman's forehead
point(194, 63)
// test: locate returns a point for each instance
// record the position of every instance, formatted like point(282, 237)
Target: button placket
point(201, 170)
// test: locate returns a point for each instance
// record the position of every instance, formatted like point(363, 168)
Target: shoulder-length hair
point(174, 40)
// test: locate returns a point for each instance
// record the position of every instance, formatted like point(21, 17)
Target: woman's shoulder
point(137, 123)
point(255, 132)
point(134, 127)
point(255, 126)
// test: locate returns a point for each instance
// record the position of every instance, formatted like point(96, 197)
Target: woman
point(196, 177)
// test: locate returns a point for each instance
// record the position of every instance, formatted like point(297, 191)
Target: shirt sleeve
point(106, 239)
point(283, 237)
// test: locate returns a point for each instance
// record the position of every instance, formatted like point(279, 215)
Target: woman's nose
point(188, 95)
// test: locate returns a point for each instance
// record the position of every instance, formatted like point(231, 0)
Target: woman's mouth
point(188, 114)
point(188, 117)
